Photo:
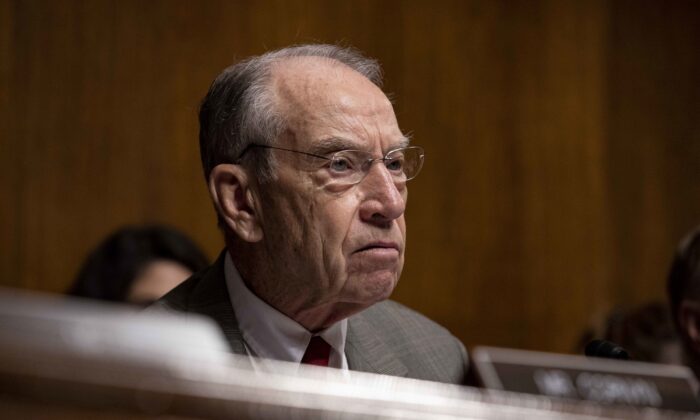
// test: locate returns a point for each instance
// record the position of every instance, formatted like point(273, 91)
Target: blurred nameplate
point(64, 358)
point(614, 382)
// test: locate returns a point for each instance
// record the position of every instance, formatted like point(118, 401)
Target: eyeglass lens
point(351, 166)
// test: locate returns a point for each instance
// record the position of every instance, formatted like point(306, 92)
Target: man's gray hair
point(239, 109)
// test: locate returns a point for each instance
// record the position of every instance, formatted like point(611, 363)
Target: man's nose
point(383, 201)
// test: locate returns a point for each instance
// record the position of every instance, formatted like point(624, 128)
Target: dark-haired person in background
point(138, 265)
point(684, 295)
point(308, 169)
point(647, 333)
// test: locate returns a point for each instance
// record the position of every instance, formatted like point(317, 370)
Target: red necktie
point(317, 353)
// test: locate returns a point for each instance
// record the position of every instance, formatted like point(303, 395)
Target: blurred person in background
point(138, 265)
point(684, 296)
point(646, 332)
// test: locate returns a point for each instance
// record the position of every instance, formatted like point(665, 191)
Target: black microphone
point(606, 349)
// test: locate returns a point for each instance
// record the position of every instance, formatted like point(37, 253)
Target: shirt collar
point(270, 334)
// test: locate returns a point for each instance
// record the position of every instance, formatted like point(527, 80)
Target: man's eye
point(340, 164)
point(395, 164)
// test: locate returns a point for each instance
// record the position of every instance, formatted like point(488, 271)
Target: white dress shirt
point(270, 334)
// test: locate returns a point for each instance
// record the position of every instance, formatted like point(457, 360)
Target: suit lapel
point(211, 298)
point(367, 352)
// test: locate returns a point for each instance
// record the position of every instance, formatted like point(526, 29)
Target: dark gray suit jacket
point(386, 338)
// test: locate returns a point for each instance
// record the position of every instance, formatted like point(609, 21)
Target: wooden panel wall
point(563, 141)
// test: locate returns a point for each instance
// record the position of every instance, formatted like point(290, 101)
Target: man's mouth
point(379, 247)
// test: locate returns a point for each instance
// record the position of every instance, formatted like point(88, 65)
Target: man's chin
point(376, 287)
point(375, 262)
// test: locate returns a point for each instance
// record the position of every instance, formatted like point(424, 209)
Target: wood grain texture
point(562, 139)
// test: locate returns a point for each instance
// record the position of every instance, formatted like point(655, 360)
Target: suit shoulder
point(403, 325)
point(396, 315)
point(429, 350)
point(178, 299)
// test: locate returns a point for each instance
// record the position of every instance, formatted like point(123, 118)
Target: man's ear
point(689, 320)
point(235, 201)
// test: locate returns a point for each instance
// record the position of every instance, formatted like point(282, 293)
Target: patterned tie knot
point(317, 353)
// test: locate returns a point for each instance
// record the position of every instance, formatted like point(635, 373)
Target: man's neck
point(296, 304)
point(321, 317)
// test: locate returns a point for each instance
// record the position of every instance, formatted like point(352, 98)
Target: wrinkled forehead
point(322, 98)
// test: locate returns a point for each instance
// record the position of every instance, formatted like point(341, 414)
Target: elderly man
point(307, 169)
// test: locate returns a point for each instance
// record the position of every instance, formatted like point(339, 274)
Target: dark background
point(562, 140)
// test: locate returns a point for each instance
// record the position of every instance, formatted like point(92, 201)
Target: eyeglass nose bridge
point(367, 166)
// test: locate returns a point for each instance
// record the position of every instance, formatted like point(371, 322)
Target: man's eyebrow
point(405, 141)
point(335, 144)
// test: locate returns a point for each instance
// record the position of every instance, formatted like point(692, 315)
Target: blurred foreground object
point(600, 380)
point(65, 359)
point(138, 264)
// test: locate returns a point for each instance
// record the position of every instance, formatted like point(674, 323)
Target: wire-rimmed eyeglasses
point(349, 167)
